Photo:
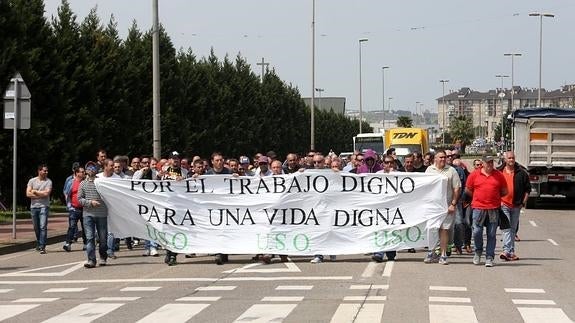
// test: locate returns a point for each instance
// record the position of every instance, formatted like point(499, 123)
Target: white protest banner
point(307, 213)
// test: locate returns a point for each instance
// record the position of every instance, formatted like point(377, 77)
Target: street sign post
point(17, 106)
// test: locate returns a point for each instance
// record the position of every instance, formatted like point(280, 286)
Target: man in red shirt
point(487, 186)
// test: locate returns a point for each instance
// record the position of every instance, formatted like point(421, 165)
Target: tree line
point(91, 89)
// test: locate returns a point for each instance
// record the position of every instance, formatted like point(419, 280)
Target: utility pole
point(444, 110)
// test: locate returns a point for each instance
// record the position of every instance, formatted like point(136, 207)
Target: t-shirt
point(453, 181)
point(508, 199)
point(486, 189)
point(40, 185)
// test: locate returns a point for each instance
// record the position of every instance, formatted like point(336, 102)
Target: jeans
point(390, 254)
point(40, 223)
point(75, 215)
point(462, 226)
point(150, 244)
point(478, 235)
point(512, 214)
point(94, 225)
point(111, 241)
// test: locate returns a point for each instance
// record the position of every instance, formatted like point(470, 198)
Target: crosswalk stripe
point(388, 268)
point(365, 287)
point(451, 314)
point(261, 313)
point(525, 290)
point(358, 313)
point(365, 298)
point(369, 270)
point(543, 315)
point(5, 290)
point(533, 302)
point(215, 288)
point(35, 300)
point(450, 299)
point(449, 288)
point(64, 290)
point(294, 287)
point(553, 242)
point(282, 299)
point(8, 311)
point(140, 289)
point(174, 313)
point(116, 299)
point(84, 313)
point(199, 299)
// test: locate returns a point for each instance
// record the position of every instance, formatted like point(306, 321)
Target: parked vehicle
point(374, 141)
point(545, 145)
point(407, 140)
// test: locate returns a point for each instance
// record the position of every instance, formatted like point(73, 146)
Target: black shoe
point(219, 259)
point(172, 261)
point(167, 259)
point(42, 251)
point(411, 250)
point(377, 258)
point(67, 247)
point(90, 264)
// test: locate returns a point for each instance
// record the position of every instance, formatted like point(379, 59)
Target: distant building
point(337, 104)
point(488, 109)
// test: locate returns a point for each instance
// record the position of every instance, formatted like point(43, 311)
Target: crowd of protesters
point(476, 197)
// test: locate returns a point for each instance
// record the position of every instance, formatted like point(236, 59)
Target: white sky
point(422, 41)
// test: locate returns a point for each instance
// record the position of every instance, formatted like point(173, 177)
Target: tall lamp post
point(383, 95)
point(361, 40)
point(540, 15)
point(512, 75)
point(319, 90)
point(312, 119)
point(501, 96)
point(415, 116)
point(444, 109)
point(389, 104)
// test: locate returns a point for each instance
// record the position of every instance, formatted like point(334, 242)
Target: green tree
point(461, 129)
point(404, 122)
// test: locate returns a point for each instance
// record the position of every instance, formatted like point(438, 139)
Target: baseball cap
point(91, 166)
point(244, 160)
point(75, 166)
point(175, 154)
point(487, 158)
point(263, 160)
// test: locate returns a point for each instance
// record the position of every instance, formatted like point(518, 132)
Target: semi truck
point(374, 141)
point(544, 143)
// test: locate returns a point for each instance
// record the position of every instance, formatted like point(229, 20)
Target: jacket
point(521, 183)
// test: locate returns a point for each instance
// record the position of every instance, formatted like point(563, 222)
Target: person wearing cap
point(518, 187)
point(244, 167)
point(441, 238)
point(486, 186)
point(38, 191)
point(95, 213)
point(74, 208)
point(263, 167)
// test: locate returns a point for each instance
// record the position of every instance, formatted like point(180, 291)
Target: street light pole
point(389, 104)
point(540, 15)
point(360, 91)
point(383, 95)
point(444, 109)
point(512, 76)
point(319, 90)
point(501, 96)
point(415, 116)
point(312, 118)
point(156, 124)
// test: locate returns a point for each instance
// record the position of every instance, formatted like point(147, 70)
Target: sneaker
point(90, 264)
point(332, 258)
point(42, 251)
point(477, 259)
point(513, 257)
point(284, 258)
point(103, 262)
point(316, 260)
point(411, 250)
point(505, 256)
point(517, 238)
point(377, 258)
point(488, 262)
point(431, 257)
point(219, 259)
point(153, 252)
point(67, 247)
point(112, 256)
point(172, 261)
point(443, 260)
point(468, 249)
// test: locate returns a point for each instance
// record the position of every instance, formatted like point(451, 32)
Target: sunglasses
point(387, 162)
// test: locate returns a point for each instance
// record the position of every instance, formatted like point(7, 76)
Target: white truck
point(544, 143)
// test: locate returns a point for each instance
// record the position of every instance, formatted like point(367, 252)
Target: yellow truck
point(407, 140)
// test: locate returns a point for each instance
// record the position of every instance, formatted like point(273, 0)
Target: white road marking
point(6, 290)
point(369, 270)
point(449, 288)
point(450, 299)
point(543, 315)
point(290, 267)
point(199, 299)
point(174, 313)
point(525, 290)
point(266, 313)
point(163, 280)
point(366, 287)
point(116, 299)
point(533, 223)
point(452, 314)
point(533, 302)
point(294, 287)
point(553, 242)
point(140, 289)
point(8, 311)
point(36, 272)
point(35, 300)
point(65, 290)
point(346, 313)
point(388, 268)
point(364, 298)
point(282, 299)
point(215, 288)
point(84, 313)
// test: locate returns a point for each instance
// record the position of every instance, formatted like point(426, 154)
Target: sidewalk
point(25, 236)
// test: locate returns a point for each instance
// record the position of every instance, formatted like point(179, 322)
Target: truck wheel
point(531, 203)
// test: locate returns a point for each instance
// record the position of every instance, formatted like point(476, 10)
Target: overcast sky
point(422, 41)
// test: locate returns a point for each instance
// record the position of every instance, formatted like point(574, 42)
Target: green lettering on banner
point(178, 240)
point(305, 241)
point(382, 239)
point(282, 242)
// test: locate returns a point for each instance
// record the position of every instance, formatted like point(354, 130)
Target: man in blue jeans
point(38, 191)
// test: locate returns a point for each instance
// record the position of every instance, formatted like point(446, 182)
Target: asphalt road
point(538, 288)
